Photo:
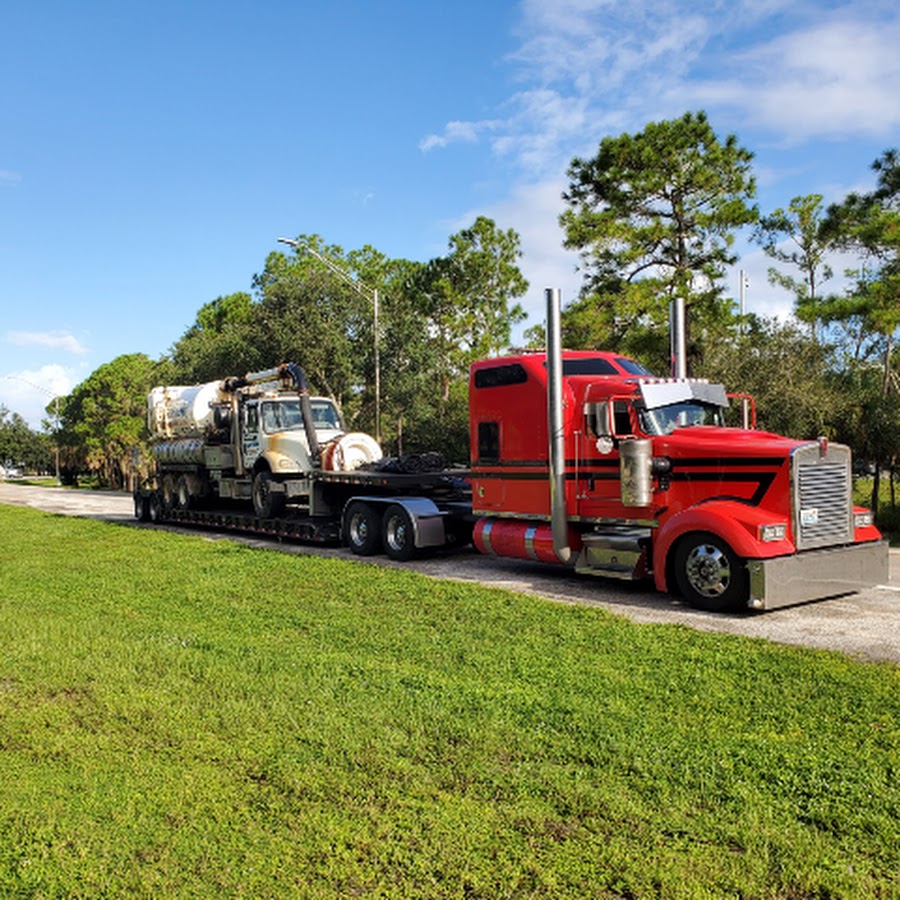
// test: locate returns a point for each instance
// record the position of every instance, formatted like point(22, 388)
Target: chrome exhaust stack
point(559, 522)
point(678, 337)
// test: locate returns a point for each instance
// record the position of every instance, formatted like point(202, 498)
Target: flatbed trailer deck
point(425, 497)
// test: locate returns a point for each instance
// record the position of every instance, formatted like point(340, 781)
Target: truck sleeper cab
point(655, 484)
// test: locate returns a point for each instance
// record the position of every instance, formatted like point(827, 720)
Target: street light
point(369, 293)
point(55, 398)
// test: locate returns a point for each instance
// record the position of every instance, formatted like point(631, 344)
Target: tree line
point(653, 216)
point(21, 447)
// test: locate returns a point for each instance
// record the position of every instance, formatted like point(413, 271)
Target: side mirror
point(597, 418)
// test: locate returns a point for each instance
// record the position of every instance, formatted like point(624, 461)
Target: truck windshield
point(665, 419)
point(285, 415)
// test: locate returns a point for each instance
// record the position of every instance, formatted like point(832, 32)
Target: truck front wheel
point(361, 528)
point(709, 574)
point(398, 534)
point(267, 502)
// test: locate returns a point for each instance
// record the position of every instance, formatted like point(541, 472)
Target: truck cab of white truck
point(273, 430)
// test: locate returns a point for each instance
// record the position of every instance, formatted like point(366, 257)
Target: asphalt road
point(865, 625)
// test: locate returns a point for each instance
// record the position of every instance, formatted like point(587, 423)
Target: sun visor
point(665, 393)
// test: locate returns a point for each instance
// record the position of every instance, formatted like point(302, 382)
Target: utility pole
point(371, 294)
point(745, 283)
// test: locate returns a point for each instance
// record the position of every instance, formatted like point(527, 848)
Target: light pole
point(745, 283)
point(370, 293)
point(55, 398)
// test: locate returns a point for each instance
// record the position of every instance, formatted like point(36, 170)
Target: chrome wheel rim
point(395, 533)
point(708, 570)
point(359, 529)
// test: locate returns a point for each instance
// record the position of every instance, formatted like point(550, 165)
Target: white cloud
point(595, 45)
point(544, 121)
point(8, 178)
point(835, 79)
point(595, 67)
point(456, 133)
point(590, 67)
point(56, 340)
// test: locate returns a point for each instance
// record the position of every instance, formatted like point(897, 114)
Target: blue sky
point(151, 154)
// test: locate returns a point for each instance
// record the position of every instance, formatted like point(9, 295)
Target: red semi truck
point(580, 458)
point(630, 476)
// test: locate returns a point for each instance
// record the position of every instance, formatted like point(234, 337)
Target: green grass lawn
point(182, 716)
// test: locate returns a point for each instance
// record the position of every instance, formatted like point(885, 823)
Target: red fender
point(736, 523)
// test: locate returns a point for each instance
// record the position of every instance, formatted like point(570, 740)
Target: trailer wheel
point(267, 503)
point(398, 534)
point(154, 507)
point(709, 574)
point(361, 528)
point(141, 507)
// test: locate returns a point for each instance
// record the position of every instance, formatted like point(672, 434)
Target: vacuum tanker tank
point(182, 410)
point(183, 419)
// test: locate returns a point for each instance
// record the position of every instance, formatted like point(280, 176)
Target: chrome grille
point(823, 509)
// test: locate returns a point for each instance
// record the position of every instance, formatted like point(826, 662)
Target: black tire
point(169, 492)
point(459, 534)
point(362, 529)
point(141, 507)
point(709, 574)
point(182, 493)
point(267, 503)
point(154, 507)
point(398, 534)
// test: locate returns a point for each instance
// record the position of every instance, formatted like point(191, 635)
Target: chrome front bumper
point(817, 574)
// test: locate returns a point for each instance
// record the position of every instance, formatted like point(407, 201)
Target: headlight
point(863, 519)
point(769, 533)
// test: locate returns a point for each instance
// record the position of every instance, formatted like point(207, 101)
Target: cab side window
point(621, 418)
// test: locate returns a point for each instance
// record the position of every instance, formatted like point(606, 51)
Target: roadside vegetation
point(184, 716)
point(888, 516)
